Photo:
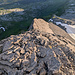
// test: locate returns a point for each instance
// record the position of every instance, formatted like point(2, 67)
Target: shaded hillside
point(17, 22)
point(70, 11)
point(3, 2)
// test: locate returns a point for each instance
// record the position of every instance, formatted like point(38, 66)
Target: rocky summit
point(37, 52)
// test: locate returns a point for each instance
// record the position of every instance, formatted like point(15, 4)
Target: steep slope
point(58, 31)
point(37, 52)
point(66, 26)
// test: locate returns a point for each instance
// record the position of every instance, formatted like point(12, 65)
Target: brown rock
point(40, 24)
point(22, 51)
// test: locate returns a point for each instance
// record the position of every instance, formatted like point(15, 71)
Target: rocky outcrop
point(41, 25)
point(37, 52)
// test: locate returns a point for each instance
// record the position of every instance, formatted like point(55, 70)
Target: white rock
point(50, 20)
point(2, 28)
point(57, 23)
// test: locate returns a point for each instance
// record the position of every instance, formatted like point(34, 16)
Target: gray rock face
point(41, 53)
point(37, 53)
point(1, 47)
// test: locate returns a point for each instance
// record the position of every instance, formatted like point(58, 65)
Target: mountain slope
point(37, 52)
point(70, 11)
point(58, 31)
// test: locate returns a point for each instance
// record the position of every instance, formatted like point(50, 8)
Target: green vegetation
point(46, 18)
point(34, 9)
point(7, 11)
point(15, 29)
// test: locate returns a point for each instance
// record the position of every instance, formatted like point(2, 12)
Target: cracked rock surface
point(37, 53)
